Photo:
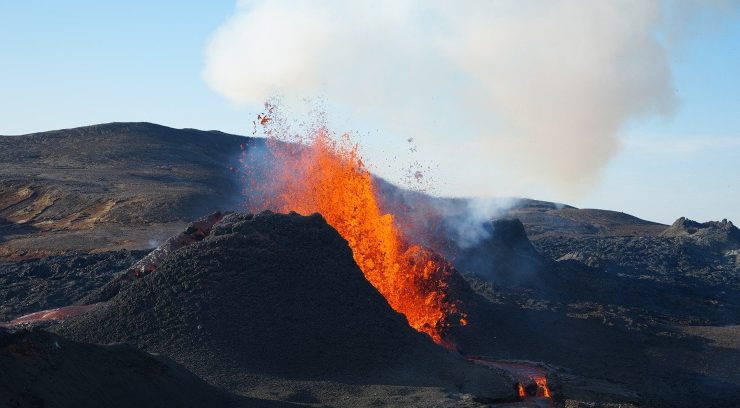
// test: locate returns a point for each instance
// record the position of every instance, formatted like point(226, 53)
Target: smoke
point(474, 224)
point(541, 88)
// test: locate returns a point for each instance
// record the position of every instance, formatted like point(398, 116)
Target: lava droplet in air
point(329, 177)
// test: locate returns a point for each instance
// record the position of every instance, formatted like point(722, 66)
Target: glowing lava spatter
point(329, 177)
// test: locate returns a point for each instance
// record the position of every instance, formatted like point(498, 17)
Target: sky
point(76, 63)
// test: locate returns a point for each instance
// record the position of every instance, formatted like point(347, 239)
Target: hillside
point(609, 307)
point(111, 186)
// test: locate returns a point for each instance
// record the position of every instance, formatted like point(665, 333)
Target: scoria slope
point(277, 296)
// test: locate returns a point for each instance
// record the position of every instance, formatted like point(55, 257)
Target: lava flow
point(532, 377)
point(330, 178)
point(542, 385)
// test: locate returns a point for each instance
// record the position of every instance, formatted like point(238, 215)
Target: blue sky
point(689, 163)
point(75, 63)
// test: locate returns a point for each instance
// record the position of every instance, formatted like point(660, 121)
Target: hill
point(111, 186)
point(615, 308)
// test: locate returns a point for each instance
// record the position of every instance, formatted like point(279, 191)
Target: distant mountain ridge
point(111, 186)
point(88, 187)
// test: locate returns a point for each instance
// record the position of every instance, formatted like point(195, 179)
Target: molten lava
point(532, 377)
point(542, 385)
point(330, 178)
point(536, 388)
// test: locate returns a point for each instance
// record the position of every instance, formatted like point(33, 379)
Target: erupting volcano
point(329, 177)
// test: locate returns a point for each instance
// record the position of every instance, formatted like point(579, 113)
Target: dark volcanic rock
point(277, 295)
point(619, 308)
point(195, 232)
point(713, 233)
point(610, 308)
point(55, 281)
point(40, 369)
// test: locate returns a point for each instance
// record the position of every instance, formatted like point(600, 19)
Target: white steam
point(540, 86)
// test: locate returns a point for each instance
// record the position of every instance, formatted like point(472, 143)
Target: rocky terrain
point(40, 369)
point(109, 187)
point(667, 340)
point(280, 296)
point(666, 303)
point(612, 309)
point(45, 283)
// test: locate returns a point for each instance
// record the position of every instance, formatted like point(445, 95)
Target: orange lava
point(540, 391)
point(531, 374)
point(542, 385)
point(329, 177)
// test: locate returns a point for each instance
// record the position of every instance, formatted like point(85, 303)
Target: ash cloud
point(540, 87)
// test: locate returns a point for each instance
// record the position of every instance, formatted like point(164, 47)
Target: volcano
point(277, 295)
point(606, 307)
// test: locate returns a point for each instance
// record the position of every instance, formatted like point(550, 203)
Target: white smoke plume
point(540, 87)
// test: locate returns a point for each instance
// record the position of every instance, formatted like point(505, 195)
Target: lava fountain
point(328, 176)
